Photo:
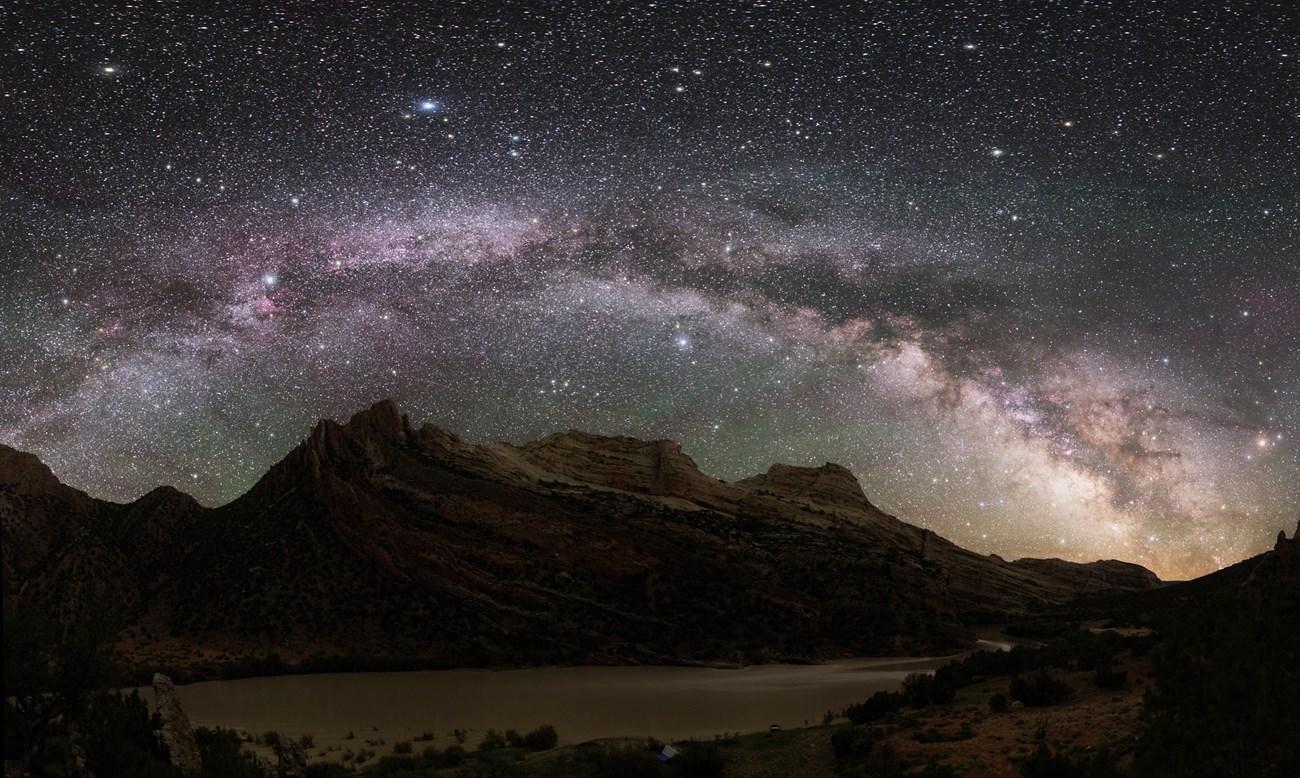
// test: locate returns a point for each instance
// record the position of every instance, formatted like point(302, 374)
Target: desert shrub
point(1108, 677)
point(601, 761)
point(933, 735)
point(853, 742)
point(1045, 764)
point(541, 738)
point(917, 687)
point(492, 740)
point(1140, 645)
point(402, 747)
point(327, 770)
point(875, 707)
point(1040, 690)
point(1040, 628)
point(884, 763)
point(119, 737)
point(935, 770)
point(700, 760)
point(395, 767)
point(220, 751)
point(998, 703)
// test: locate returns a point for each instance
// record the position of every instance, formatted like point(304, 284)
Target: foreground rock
point(177, 733)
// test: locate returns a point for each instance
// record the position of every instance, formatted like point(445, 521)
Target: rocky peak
point(160, 513)
point(382, 420)
point(362, 440)
point(168, 497)
point(830, 485)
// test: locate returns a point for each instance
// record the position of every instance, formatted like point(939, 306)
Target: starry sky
point(1030, 270)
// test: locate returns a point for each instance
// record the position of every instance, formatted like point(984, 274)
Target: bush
point(853, 742)
point(875, 707)
point(402, 747)
point(542, 738)
point(322, 770)
point(935, 770)
point(916, 688)
point(119, 737)
point(1044, 764)
point(452, 756)
point(1040, 690)
point(700, 760)
point(492, 740)
point(933, 735)
point(999, 703)
point(394, 766)
point(220, 751)
point(1109, 678)
point(603, 761)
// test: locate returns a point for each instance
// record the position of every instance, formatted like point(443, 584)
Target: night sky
point(1030, 270)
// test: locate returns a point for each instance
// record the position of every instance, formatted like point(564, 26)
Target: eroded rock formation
point(177, 732)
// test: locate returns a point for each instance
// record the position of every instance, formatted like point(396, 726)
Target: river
point(582, 703)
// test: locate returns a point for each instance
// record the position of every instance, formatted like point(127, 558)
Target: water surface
point(583, 703)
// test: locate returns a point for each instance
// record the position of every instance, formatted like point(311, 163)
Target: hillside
point(380, 539)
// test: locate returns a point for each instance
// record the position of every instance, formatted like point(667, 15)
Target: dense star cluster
point(1030, 270)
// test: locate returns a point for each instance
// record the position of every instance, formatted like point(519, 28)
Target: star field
point(1031, 271)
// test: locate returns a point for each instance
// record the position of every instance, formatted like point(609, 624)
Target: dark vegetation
point(1032, 682)
point(1225, 655)
point(1227, 683)
point(60, 710)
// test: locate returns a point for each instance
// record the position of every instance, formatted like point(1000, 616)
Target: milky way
point(1031, 271)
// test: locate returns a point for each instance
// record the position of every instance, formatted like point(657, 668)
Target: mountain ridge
point(375, 536)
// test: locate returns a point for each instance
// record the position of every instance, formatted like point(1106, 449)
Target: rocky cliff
point(377, 537)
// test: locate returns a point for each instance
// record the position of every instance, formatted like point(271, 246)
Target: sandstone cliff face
point(377, 537)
